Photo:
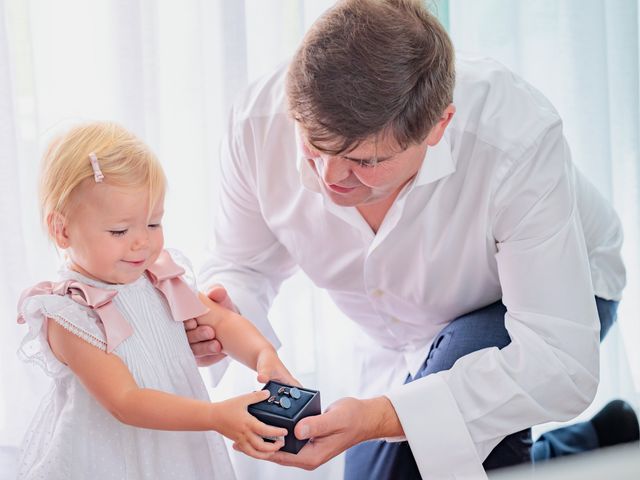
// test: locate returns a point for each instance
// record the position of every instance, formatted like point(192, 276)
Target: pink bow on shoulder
point(116, 328)
point(165, 276)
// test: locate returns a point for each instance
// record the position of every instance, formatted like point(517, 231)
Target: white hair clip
point(97, 173)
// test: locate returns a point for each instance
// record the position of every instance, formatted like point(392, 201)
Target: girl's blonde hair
point(125, 161)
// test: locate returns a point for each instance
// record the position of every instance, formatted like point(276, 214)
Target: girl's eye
point(117, 233)
point(155, 225)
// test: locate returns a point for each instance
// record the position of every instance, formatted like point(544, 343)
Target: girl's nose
point(141, 241)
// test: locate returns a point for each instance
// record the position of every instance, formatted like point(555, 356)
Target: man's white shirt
point(492, 214)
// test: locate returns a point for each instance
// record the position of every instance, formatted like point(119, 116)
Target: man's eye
point(117, 233)
point(367, 163)
point(154, 225)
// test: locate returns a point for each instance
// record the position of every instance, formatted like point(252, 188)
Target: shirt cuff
point(436, 432)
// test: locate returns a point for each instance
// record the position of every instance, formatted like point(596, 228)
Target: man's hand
point(346, 423)
point(202, 338)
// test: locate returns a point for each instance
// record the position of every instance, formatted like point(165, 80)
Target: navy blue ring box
point(273, 414)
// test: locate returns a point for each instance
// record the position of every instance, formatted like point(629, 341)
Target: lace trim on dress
point(86, 336)
point(28, 354)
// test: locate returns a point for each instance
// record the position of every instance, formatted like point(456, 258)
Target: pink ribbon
point(164, 274)
point(116, 328)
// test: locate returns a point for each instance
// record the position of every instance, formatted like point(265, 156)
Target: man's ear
point(438, 129)
point(57, 225)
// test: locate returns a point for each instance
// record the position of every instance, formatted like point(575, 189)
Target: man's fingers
point(275, 446)
point(309, 458)
point(268, 447)
point(204, 349)
point(248, 449)
point(291, 460)
point(283, 458)
point(315, 426)
point(204, 346)
point(190, 324)
point(260, 445)
point(202, 333)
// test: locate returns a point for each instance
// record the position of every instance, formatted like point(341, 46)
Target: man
point(436, 202)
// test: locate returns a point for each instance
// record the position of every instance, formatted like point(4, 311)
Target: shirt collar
point(438, 162)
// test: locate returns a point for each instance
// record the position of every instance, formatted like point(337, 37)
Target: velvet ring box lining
point(273, 414)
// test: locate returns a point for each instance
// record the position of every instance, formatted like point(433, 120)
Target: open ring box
point(287, 413)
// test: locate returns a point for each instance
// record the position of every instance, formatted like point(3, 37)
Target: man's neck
point(374, 213)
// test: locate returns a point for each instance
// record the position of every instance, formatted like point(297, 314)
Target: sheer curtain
point(170, 70)
point(582, 55)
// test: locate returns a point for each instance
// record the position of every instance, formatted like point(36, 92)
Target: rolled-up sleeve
point(549, 371)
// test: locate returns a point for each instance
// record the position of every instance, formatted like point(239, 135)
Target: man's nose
point(335, 169)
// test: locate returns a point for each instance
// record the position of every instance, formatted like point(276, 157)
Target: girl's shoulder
point(64, 303)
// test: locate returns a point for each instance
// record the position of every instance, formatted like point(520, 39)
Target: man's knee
point(482, 328)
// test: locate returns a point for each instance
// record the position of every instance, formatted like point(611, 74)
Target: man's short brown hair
point(370, 67)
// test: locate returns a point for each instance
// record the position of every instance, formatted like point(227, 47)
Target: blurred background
point(170, 70)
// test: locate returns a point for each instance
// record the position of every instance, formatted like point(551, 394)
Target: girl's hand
point(270, 367)
point(232, 420)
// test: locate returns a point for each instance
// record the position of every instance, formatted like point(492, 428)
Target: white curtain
point(582, 55)
point(170, 70)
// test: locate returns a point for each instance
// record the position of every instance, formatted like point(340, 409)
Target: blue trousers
point(479, 329)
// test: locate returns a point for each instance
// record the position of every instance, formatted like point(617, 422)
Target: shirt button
point(395, 320)
point(377, 293)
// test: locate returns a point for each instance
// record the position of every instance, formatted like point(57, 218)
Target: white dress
point(73, 437)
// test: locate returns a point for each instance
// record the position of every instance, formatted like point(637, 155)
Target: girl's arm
point(242, 341)
point(109, 380)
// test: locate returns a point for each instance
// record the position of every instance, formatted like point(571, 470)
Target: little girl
point(127, 400)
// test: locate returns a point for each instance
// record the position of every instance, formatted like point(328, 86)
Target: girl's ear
point(57, 225)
